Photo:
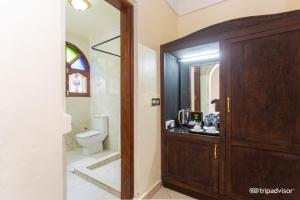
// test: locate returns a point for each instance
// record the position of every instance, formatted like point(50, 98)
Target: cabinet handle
point(228, 104)
point(215, 151)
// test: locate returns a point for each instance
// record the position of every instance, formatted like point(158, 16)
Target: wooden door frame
point(197, 87)
point(127, 97)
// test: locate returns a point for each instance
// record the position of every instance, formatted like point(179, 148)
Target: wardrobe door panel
point(175, 158)
point(262, 125)
point(193, 164)
point(254, 168)
point(265, 88)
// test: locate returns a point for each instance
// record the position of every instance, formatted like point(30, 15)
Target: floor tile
point(165, 193)
point(80, 189)
point(109, 174)
point(176, 195)
point(162, 193)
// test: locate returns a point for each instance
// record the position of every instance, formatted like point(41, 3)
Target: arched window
point(77, 72)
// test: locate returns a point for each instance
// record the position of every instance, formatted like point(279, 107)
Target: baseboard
point(151, 191)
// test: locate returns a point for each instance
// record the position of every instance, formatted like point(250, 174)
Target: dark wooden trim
point(115, 3)
point(232, 28)
point(127, 97)
point(225, 33)
point(127, 91)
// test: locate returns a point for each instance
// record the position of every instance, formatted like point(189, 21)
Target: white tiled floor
point(76, 158)
point(165, 193)
point(80, 189)
point(109, 174)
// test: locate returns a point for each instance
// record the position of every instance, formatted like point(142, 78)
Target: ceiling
point(100, 20)
point(183, 7)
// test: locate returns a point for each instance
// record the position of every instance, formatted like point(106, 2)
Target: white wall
point(83, 43)
point(105, 88)
point(32, 100)
point(78, 107)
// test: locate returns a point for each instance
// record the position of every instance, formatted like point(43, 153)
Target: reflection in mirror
point(204, 91)
point(192, 89)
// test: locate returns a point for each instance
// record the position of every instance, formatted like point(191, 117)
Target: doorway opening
point(99, 97)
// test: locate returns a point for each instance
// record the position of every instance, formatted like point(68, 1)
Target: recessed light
point(200, 57)
point(80, 4)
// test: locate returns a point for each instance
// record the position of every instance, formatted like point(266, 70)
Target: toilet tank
point(99, 123)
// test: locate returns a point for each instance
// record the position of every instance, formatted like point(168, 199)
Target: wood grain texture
point(265, 88)
point(115, 3)
point(191, 162)
point(264, 169)
point(260, 72)
point(263, 139)
point(127, 97)
point(233, 28)
point(127, 101)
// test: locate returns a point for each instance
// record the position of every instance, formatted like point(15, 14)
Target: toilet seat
point(88, 134)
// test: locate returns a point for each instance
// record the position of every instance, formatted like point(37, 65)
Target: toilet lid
point(88, 134)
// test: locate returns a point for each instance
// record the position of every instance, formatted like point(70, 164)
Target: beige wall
point(32, 104)
point(231, 9)
point(156, 24)
point(147, 122)
point(78, 107)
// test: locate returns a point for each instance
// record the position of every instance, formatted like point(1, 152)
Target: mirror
point(192, 86)
point(205, 88)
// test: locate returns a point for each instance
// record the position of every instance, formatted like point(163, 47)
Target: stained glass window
point(79, 64)
point(71, 54)
point(77, 83)
point(77, 72)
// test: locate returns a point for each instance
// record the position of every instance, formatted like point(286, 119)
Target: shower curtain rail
point(106, 41)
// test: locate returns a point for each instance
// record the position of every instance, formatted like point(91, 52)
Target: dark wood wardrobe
point(259, 141)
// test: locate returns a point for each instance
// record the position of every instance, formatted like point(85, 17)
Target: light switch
point(155, 101)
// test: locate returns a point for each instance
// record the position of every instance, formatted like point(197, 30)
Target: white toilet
point(92, 141)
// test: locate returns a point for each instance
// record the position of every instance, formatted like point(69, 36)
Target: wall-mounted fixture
point(200, 57)
point(155, 101)
point(94, 47)
point(80, 4)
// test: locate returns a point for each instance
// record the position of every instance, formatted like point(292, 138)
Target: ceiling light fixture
point(80, 4)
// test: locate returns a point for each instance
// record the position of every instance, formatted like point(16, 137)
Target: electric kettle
point(183, 116)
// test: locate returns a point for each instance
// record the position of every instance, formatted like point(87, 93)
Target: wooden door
point(263, 114)
point(193, 164)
